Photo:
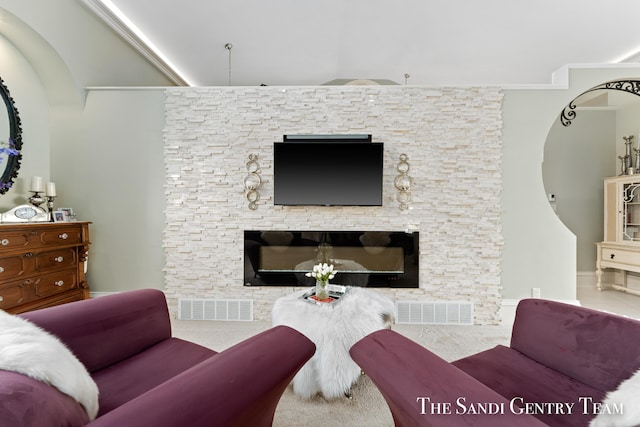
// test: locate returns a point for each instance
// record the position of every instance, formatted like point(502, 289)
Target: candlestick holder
point(50, 200)
point(36, 199)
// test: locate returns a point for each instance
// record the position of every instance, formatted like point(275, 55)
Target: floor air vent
point(436, 313)
point(215, 309)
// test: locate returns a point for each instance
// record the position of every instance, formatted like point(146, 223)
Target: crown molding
point(108, 17)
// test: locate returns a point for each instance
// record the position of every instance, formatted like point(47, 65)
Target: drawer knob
point(612, 256)
point(59, 283)
point(4, 242)
point(58, 259)
point(1, 299)
point(1, 269)
point(63, 236)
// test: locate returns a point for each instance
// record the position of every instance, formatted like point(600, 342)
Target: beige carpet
point(367, 407)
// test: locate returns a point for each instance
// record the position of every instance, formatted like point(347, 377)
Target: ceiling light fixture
point(229, 46)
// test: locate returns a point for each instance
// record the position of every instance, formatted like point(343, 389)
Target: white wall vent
point(215, 309)
point(436, 312)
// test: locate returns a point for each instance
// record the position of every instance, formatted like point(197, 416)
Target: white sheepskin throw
point(626, 397)
point(29, 350)
point(334, 328)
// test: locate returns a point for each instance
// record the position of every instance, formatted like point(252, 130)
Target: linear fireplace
point(363, 258)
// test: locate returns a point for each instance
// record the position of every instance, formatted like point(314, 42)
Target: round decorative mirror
point(10, 141)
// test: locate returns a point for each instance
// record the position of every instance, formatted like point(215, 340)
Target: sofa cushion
point(136, 375)
point(516, 376)
point(578, 341)
point(26, 402)
point(143, 314)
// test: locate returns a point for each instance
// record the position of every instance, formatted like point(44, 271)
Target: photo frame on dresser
point(64, 215)
point(59, 216)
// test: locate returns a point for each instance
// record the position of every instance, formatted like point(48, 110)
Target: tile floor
point(610, 300)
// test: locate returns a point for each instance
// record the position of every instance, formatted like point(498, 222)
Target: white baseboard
point(586, 279)
point(101, 294)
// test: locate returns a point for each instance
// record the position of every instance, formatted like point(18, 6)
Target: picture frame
point(59, 216)
point(69, 216)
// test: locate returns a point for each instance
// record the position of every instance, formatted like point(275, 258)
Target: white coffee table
point(334, 328)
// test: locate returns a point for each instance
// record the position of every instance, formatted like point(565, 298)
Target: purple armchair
point(561, 362)
point(146, 377)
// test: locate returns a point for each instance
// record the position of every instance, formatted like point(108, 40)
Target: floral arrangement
point(322, 272)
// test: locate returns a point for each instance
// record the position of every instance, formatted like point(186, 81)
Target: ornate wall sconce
point(252, 181)
point(403, 182)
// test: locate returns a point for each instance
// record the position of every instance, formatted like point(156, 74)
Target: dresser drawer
point(11, 295)
point(61, 236)
point(61, 258)
point(620, 256)
point(13, 240)
point(11, 267)
point(55, 283)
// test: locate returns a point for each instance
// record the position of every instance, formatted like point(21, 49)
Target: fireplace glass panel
point(371, 258)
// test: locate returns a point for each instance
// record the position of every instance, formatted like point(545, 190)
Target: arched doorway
point(589, 133)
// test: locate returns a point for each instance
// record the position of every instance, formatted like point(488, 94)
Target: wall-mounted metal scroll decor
point(628, 86)
point(252, 181)
point(403, 182)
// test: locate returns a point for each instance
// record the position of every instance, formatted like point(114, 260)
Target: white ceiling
point(295, 42)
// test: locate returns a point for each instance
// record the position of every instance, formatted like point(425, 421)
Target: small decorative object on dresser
point(25, 213)
point(58, 216)
point(42, 264)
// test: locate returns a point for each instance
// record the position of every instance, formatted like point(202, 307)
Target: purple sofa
point(146, 377)
point(559, 355)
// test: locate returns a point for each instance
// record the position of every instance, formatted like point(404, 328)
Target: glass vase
point(321, 290)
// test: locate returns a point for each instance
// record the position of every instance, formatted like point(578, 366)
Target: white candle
point(36, 183)
point(51, 189)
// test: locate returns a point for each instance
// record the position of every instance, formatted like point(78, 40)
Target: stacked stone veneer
point(452, 136)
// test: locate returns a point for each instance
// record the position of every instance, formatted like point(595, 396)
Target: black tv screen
point(328, 173)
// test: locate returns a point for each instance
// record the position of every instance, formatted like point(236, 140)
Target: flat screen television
point(328, 173)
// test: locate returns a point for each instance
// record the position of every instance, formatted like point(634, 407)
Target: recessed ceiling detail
point(286, 43)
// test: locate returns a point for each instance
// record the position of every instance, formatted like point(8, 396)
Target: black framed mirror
point(10, 141)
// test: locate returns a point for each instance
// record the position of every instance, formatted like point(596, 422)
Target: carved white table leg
point(599, 278)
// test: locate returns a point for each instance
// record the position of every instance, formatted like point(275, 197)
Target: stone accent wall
point(452, 136)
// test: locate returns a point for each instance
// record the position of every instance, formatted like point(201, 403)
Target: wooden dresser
point(42, 264)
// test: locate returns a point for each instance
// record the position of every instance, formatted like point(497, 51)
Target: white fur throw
point(333, 328)
point(626, 400)
point(31, 351)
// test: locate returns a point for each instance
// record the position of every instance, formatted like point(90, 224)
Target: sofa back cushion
point(106, 330)
point(593, 347)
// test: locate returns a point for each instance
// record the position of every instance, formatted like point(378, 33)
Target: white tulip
point(322, 271)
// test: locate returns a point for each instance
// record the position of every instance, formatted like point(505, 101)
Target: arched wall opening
point(581, 150)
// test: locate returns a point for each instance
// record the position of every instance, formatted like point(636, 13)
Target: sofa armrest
point(26, 402)
point(103, 331)
point(240, 386)
point(423, 389)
